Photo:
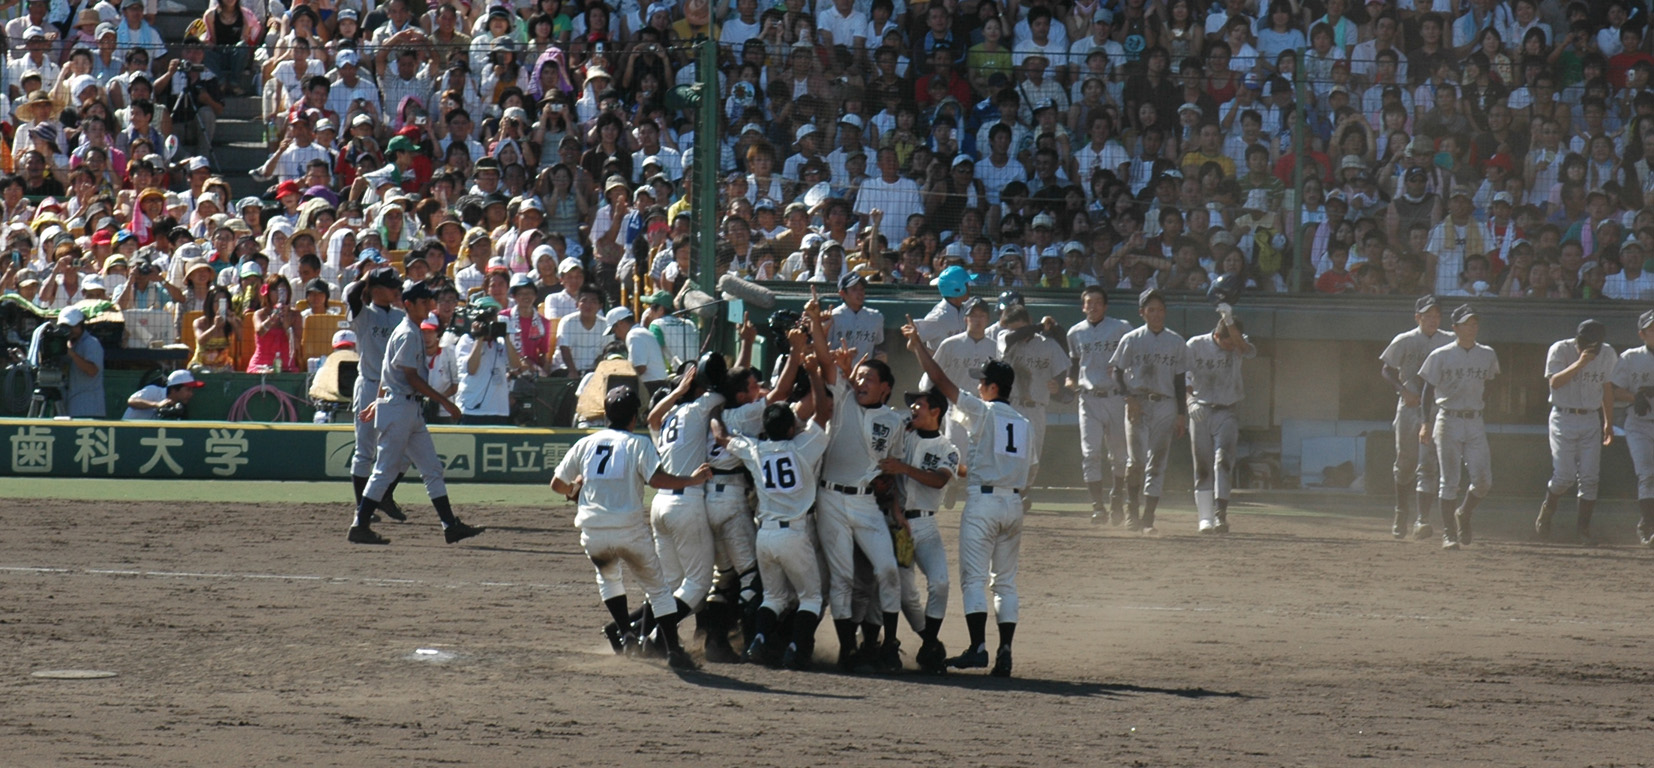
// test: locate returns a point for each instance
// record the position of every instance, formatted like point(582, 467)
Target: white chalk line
point(22, 569)
point(1294, 613)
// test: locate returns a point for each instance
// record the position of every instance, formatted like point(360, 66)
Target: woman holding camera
point(486, 359)
point(274, 324)
point(213, 331)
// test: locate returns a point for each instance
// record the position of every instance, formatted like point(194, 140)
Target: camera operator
point(163, 402)
point(487, 359)
point(83, 397)
point(193, 93)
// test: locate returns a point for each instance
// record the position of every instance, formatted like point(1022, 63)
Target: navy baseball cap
point(1424, 304)
point(415, 291)
point(997, 372)
point(932, 397)
point(975, 304)
point(1591, 333)
point(849, 280)
point(385, 277)
point(1149, 295)
point(1463, 313)
point(620, 405)
point(1646, 320)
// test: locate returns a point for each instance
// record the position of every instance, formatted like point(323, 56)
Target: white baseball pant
point(729, 514)
point(787, 563)
point(1149, 441)
point(1576, 452)
point(1461, 446)
point(1639, 439)
point(1102, 430)
point(930, 556)
point(1214, 432)
point(683, 541)
point(1415, 462)
point(990, 538)
point(633, 546)
point(843, 523)
point(402, 435)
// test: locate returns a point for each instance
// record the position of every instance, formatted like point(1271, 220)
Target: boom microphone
point(753, 294)
point(699, 303)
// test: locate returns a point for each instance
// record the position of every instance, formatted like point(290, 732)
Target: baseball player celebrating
point(605, 473)
point(784, 465)
point(1091, 344)
point(400, 423)
point(990, 528)
point(1215, 388)
point(862, 430)
point(1582, 420)
point(854, 324)
point(1417, 475)
point(1633, 381)
point(958, 355)
point(373, 317)
point(1037, 360)
point(1149, 366)
point(683, 533)
point(929, 462)
point(1455, 377)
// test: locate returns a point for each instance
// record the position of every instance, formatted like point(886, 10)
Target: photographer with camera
point(170, 401)
point(146, 288)
point(65, 357)
point(487, 359)
point(194, 95)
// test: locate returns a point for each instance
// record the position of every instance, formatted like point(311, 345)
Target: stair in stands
point(238, 145)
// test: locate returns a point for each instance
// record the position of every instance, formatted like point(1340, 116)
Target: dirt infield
point(257, 636)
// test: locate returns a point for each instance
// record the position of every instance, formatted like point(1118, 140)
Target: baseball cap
point(1463, 313)
point(617, 315)
point(996, 372)
point(34, 32)
point(371, 256)
point(1424, 304)
point(1044, 221)
point(620, 405)
point(249, 269)
point(71, 317)
point(318, 285)
point(415, 291)
point(567, 265)
point(659, 299)
point(92, 283)
point(429, 324)
point(384, 277)
point(1050, 252)
point(849, 280)
point(361, 118)
point(952, 282)
point(963, 159)
point(289, 187)
point(521, 281)
point(183, 378)
point(1645, 320)
point(399, 143)
point(975, 304)
point(806, 129)
point(932, 397)
point(196, 163)
point(1591, 333)
point(347, 57)
point(1149, 295)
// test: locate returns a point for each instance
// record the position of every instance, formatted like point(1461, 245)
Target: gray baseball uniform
point(861, 331)
point(941, 322)
point(614, 530)
point(1415, 463)
point(1576, 418)
point(785, 475)
point(1635, 371)
point(683, 536)
point(373, 326)
point(398, 420)
point(1215, 388)
point(1102, 409)
point(1149, 362)
point(1037, 360)
point(1459, 376)
point(930, 452)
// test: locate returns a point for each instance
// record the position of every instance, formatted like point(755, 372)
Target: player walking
point(1455, 377)
point(1633, 381)
point(1582, 420)
point(399, 421)
point(605, 473)
point(1149, 366)
point(374, 316)
point(930, 460)
point(990, 528)
point(1417, 475)
point(1215, 388)
point(1091, 344)
point(862, 430)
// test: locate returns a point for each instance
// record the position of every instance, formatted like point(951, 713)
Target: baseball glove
point(902, 540)
point(1640, 404)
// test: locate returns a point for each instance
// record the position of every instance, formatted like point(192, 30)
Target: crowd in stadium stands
point(527, 153)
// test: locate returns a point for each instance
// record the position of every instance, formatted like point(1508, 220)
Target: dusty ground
point(259, 637)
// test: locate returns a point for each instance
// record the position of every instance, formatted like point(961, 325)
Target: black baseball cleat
point(1222, 525)
point(1464, 527)
point(629, 646)
point(1002, 664)
point(890, 658)
point(680, 659)
point(795, 659)
point(460, 531)
point(361, 534)
point(612, 634)
point(718, 649)
point(762, 653)
point(975, 658)
point(932, 658)
point(1098, 517)
point(847, 660)
point(394, 512)
point(373, 518)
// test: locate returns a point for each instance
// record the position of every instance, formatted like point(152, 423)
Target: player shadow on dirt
point(705, 679)
point(1062, 688)
point(520, 550)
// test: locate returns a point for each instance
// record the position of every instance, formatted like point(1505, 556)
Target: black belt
point(1154, 398)
point(848, 490)
point(1098, 392)
point(410, 397)
point(786, 523)
point(914, 514)
point(990, 489)
point(1462, 414)
point(677, 492)
point(1577, 411)
point(719, 487)
point(1213, 406)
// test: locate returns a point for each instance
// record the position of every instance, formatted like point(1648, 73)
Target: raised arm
point(658, 413)
point(747, 333)
point(927, 361)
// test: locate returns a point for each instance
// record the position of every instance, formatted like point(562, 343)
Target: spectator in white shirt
point(841, 24)
point(892, 195)
point(1631, 283)
point(352, 90)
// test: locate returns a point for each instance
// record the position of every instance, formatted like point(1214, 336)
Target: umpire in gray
point(1582, 420)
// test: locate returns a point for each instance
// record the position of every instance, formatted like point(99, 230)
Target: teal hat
point(485, 303)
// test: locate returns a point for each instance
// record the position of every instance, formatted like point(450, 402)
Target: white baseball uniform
point(1635, 371)
point(1576, 418)
point(1149, 362)
point(785, 473)
point(1459, 376)
point(683, 537)
point(849, 516)
point(1415, 462)
point(958, 355)
point(990, 528)
point(1215, 388)
point(861, 331)
point(1102, 409)
point(930, 452)
point(728, 511)
point(614, 529)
